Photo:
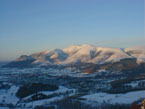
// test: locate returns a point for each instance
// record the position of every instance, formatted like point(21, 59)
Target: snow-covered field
point(126, 98)
point(8, 96)
point(62, 90)
point(135, 83)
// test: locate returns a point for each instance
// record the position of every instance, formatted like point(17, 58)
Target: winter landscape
point(76, 77)
point(72, 54)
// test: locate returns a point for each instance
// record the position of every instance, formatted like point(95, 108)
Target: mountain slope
point(81, 55)
point(23, 61)
point(137, 52)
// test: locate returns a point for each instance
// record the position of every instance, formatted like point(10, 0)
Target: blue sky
point(27, 26)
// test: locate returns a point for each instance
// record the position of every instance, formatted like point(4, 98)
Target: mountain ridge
point(84, 54)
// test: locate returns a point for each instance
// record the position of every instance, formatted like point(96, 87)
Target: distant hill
point(95, 57)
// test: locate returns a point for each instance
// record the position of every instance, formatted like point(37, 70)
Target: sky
point(28, 26)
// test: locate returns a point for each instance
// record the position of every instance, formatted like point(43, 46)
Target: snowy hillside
point(87, 54)
point(82, 54)
point(127, 98)
point(137, 52)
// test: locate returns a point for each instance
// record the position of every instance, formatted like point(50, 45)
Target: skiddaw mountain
point(87, 58)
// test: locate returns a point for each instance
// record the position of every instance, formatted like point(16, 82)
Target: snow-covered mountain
point(85, 54)
point(92, 54)
point(137, 52)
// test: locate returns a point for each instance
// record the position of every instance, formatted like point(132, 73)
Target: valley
point(74, 88)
